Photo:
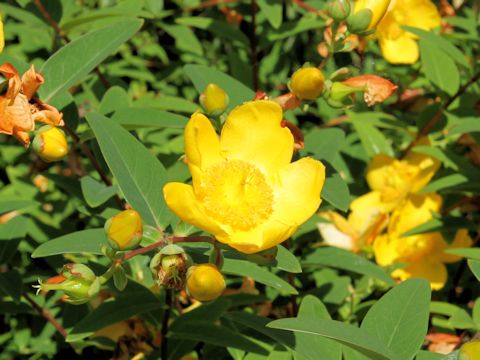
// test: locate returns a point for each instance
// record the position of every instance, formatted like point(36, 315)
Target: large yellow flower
point(423, 253)
point(399, 46)
point(245, 190)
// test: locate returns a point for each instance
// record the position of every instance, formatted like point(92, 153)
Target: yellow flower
point(214, 99)
point(245, 190)
point(395, 179)
point(205, 282)
point(307, 83)
point(124, 230)
point(50, 144)
point(375, 9)
point(470, 350)
point(365, 221)
point(423, 253)
point(397, 45)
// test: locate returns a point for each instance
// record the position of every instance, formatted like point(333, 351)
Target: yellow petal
point(422, 14)
point(400, 50)
point(337, 232)
point(202, 145)
point(297, 191)
point(253, 132)
point(182, 201)
point(365, 211)
point(377, 171)
point(426, 165)
point(435, 272)
point(385, 250)
point(462, 240)
point(265, 236)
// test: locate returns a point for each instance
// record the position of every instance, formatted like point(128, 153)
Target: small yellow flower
point(424, 253)
point(368, 13)
point(395, 179)
point(245, 190)
point(205, 282)
point(124, 230)
point(214, 99)
point(307, 83)
point(50, 144)
point(397, 45)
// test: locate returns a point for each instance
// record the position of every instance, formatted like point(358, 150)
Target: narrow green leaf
point(11, 205)
point(343, 333)
point(11, 284)
point(474, 266)
point(335, 191)
point(324, 143)
point(287, 261)
point(263, 276)
point(76, 59)
point(141, 181)
point(132, 118)
point(373, 141)
point(272, 9)
point(11, 234)
point(85, 241)
point(217, 27)
point(470, 253)
point(403, 330)
point(345, 260)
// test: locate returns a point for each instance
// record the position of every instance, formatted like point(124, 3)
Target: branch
point(46, 314)
point(438, 115)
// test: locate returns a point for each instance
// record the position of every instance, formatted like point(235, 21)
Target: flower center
point(237, 194)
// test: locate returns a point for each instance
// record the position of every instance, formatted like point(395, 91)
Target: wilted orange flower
point(376, 89)
point(19, 110)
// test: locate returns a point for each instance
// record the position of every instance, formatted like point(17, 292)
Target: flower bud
point(77, 281)
point(214, 99)
point(339, 95)
point(307, 83)
point(50, 144)
point(366, 15)
point(205, 282)
point(124, 230)
point(339, 9)
point(169, 267)
point(470, 351)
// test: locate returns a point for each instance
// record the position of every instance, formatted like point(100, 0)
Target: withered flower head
point(19, 110)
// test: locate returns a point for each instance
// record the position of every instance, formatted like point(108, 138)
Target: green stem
point(109, 273)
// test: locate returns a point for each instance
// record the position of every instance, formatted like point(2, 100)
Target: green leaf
point(185, 38)
point(293, 28)
point(115, 98)
point(201, 76)
point(402, 330)
point(95, 192)
point(139, 174)
point(474, 266)
point(427, 355)
point(446, 46)
point(373, 141)
point(120, 279)
point(343, 333)
point(85, 241)
point(438, 67)
point(345, 260)
point(324, 143)
point(133, 118)
point(336, 191)
point(75, 60)
point(465, 125)
point(11, 284)
point(11, 205)
point(470, 253)
point(112, 311)
point(287, 261)
point(216, 27)
point(272, 9)
point(308, 345)
point(218, 335)
point(444, 223)
point(437, 153)
point(259, 274)
point(11, 234)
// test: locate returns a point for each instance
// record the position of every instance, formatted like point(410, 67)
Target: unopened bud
point(366, 15)
point(470, 351)
point(205, 282)
point(339, 9)
point(307, 83)
point(169, 267)
point(214, 99)
point(50, 144)
point(77, 281)
point(124, 230)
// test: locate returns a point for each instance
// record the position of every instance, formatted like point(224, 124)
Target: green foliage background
point(155, 58)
